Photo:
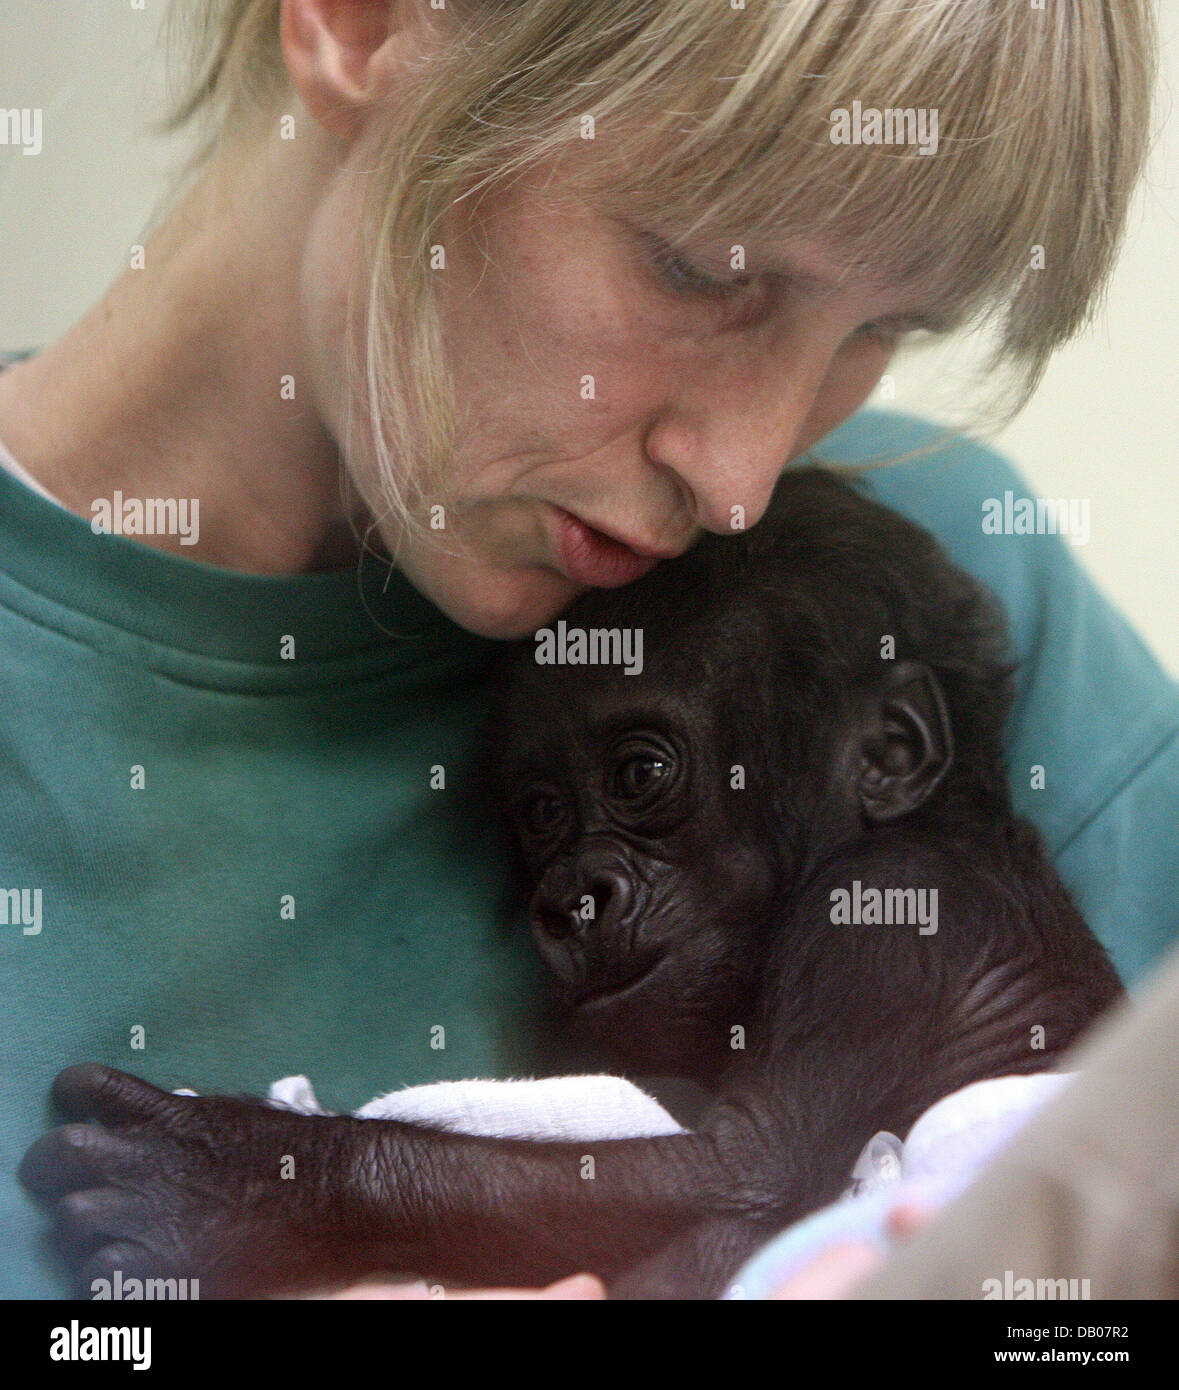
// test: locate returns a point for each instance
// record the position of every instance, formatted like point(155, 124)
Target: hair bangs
point(735, 133)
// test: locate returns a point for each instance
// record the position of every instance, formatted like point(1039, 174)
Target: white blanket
point(553, 1108)
point(946, 1147)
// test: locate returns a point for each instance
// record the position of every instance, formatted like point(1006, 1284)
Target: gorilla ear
point(906, 746)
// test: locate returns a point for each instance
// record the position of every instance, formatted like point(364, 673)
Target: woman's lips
point(593, 559)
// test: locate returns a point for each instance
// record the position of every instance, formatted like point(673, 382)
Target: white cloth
point(946, 1149)
point(553, 1108)
point(949, 1141)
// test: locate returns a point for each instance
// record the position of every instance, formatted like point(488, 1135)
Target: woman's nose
point(728, 439)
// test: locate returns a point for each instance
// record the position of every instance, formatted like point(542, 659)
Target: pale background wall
point(1104, 425)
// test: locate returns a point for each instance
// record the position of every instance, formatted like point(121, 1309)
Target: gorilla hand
point(246, 1198)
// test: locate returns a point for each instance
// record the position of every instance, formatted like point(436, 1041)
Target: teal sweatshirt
point(240, 834)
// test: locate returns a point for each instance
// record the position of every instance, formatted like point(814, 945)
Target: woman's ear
point(906, 745)
point(341, 54)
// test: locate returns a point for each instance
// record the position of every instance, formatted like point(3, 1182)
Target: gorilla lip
point(591, 558)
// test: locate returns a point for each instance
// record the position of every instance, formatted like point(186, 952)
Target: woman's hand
point(836, 1271)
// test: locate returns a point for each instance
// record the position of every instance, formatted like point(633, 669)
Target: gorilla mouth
point(610, 991)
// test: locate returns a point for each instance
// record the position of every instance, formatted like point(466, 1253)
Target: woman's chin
point(504, 604)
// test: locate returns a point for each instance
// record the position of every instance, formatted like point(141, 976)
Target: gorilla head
point(805, 688)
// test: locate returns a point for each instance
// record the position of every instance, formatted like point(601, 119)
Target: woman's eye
point(638, 775)
point(687, 278)
point(872, 333)
point(886, 333)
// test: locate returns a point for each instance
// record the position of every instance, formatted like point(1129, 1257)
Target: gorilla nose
point(556, 924)
point(580, 930)
point(612, 895)
point(604, 900)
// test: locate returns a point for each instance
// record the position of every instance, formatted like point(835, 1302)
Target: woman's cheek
point(853, 376)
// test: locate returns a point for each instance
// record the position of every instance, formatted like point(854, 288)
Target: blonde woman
point(458, 311)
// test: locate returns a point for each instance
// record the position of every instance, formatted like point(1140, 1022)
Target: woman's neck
point(170, 387)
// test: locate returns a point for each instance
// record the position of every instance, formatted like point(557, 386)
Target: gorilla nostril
point(556, 924)
point(612, 896)
point(603, 898)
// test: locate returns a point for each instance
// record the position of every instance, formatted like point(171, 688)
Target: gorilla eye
point(542, 813)
point(636, 776)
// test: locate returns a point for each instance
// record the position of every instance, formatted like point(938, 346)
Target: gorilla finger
point(93, 1091)
point(98, 1214)
point(73, 1156)
point(130, 1260)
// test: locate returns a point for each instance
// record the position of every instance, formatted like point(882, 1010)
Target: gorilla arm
point(253, 1200)
point(194, 1186)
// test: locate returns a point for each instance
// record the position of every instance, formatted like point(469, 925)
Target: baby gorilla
point(781, 860)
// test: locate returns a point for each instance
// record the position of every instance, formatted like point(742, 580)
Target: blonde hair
point(715, 116)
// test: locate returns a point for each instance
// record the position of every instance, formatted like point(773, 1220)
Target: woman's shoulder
point(929, 471)
point(965, 492)
point(1029, 550)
